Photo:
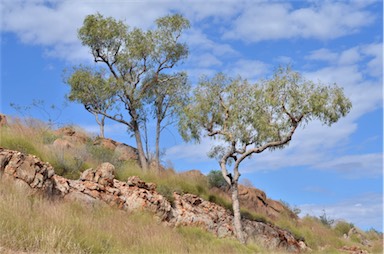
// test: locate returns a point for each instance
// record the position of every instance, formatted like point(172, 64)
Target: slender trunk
point(100, 123)
point(140, 149)
point(157, 153)
point(102, 127)
point(236, 213)
point(146, 140)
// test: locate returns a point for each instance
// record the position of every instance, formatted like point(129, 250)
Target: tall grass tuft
point(33, 224)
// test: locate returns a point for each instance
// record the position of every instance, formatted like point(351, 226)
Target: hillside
point(95, 172)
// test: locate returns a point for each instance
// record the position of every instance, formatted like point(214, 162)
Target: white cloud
point(348, 69)
point(205, 60)
point(356, 166)
point(323, 54)
point(199, 41)
point(248, 69)
point(322, 20)
point(372, 54)
point(54, 24)
point(375, 65)
point(364, 211)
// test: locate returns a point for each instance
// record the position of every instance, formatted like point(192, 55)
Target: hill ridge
point(98, 185)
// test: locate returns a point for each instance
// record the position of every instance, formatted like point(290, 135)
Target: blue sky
point(337, 169)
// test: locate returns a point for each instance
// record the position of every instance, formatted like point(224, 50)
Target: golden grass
point(33, 224)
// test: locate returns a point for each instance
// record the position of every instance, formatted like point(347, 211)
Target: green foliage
point(295, 210)
point(326, 220)
point(214, 198)
point(343, 227)
point(197, 235)
point(102, 154)
point(251, 118)
point(249, 215)
point(91, 88)
point(216, 179)
point(19, 144)
point(138, 75)
point(261, 114)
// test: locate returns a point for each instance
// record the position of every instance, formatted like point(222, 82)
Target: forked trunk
point(236, 213)
point(100, 122)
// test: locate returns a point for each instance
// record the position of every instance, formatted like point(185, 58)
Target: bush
point(325, 220)
point(343, 227)
point(216, 179)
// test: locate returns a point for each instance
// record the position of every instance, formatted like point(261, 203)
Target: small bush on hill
point(343, 227)
point(216, 179)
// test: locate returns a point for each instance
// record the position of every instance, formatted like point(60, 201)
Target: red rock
point(99, 186)
point(3, 120)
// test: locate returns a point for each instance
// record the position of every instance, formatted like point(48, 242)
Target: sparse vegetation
point(33, 224)
point(216, 179)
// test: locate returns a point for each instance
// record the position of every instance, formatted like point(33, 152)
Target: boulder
point(73, 136)
point(256, 200)
point(105, 142)
point(126, 152)
point(136, 181)
point(103, 174)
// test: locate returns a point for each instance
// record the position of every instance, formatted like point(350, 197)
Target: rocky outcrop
point(256, 200)
point(3, 120)
point(123, 151)
point(71, 135)
point(98, 186)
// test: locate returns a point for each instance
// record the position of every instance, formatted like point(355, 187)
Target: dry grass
point(32, 224)
point(35, 225)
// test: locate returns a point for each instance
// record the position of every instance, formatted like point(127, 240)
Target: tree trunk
point(157, 153)
point(102, 127)
point(140, 149)
point(236, 213)
point(100, 123)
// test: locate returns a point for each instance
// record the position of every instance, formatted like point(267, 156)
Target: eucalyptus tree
point(168, 97)
point(249, 118)
point(130, 56)
point(90, 88)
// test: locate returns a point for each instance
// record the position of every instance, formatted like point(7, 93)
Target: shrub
point(343, 227)
point(326, 220)
point(216, 179)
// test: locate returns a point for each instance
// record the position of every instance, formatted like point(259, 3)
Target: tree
point(131, 56)
point(251, 118)
point(90, 88)
point(168, 96)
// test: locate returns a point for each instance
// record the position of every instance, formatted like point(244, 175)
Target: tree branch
point(267, 145)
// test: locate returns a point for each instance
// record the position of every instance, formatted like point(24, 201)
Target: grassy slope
point(34, 224)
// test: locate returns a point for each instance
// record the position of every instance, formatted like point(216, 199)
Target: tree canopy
point(137, 70)
point(251, 118)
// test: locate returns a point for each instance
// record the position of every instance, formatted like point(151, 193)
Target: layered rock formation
point(98, 186)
